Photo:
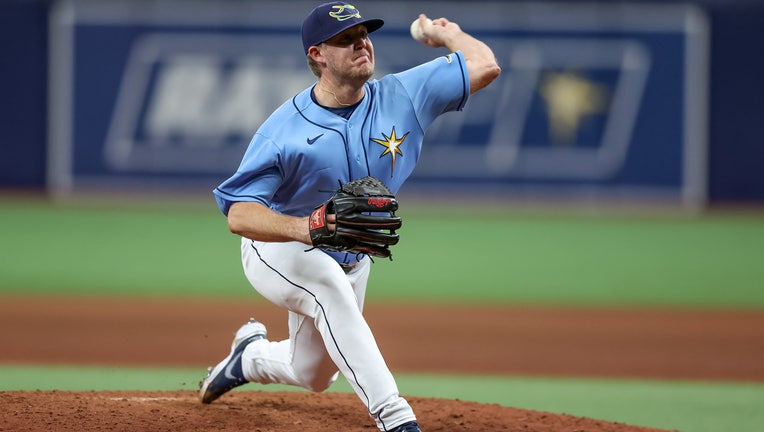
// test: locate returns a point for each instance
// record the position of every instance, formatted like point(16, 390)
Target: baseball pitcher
point(315, 196)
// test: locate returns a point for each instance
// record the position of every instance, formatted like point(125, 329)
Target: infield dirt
point(583, 342)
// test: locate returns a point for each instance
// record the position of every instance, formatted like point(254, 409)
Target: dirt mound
point(258, 411)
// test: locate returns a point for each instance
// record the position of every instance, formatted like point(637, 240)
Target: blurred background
point(620, 149)
point(599, 102)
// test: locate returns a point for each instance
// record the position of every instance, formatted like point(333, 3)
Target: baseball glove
point(365, 219)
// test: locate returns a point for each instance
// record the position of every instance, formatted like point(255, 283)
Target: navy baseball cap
point(331, 19)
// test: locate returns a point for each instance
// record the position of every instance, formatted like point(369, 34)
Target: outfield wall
point(597, 100)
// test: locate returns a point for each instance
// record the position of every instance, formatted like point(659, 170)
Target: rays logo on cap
point(330, 19)
point(344, 12)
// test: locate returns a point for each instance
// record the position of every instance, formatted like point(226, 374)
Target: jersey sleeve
point(257, 178)
point(437, 87)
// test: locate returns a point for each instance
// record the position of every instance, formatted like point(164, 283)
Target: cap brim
point(372, 25)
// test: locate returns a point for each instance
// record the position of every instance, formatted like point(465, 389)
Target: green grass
point(501, 255)
point(685, 406)
point(99, 251)
point(596, 259)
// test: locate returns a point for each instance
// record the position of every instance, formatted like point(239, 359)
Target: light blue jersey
point(302, 152)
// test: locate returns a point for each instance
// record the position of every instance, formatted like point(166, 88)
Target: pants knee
point(320, 384)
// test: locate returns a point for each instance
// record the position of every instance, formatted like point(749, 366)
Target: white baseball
point(416, 30)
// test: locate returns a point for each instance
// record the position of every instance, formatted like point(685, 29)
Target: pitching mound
point(263, 412)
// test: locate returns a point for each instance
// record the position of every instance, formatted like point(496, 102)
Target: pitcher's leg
point(312, 285)
point(301, 360)
point(352, 346)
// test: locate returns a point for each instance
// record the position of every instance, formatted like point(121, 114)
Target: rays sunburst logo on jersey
point(392, 145)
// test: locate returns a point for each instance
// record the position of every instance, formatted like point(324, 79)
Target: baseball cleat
point(228, 374)
point(411, 426)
